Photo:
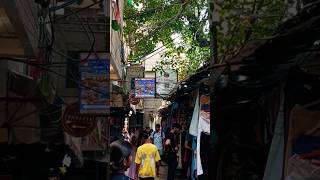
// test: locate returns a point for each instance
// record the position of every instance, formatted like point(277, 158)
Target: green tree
point(153, 22)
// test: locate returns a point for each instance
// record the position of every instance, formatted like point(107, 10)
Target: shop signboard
point(166, 81)
point(95, 84)
point(135, 71)
point(144, 88)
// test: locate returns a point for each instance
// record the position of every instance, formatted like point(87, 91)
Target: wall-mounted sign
point(144, 88)
point(76, 124)
point(95, 84)
point(166, 81)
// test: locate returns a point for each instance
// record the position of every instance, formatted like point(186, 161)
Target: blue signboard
point(95, 84)
point(145, 88)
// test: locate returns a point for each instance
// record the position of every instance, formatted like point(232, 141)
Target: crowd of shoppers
point(138, 155)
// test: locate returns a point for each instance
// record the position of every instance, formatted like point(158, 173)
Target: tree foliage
point(153, 22)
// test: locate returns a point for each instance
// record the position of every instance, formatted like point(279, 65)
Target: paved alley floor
point(163, 173)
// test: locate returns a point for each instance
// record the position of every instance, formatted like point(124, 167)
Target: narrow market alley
point(108, 89)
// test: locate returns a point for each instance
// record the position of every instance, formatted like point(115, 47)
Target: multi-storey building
point(32, 106)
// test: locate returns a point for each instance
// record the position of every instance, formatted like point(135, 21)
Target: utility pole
point(213, 21)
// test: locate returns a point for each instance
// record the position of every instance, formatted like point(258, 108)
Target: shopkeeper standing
point(171, 149)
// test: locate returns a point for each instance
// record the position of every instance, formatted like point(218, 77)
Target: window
point(167, 85)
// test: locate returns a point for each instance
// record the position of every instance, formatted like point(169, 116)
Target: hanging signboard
point(166, 81)
point(133, 100)
point(144, 88)
point(95, 84)
point(135, 71)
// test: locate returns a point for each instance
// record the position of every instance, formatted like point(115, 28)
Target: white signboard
point(135, 71)
point(166, 81)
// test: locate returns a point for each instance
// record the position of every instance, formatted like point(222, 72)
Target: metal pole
point(213, 19)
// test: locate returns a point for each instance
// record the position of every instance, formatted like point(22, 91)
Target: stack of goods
point(303, 146)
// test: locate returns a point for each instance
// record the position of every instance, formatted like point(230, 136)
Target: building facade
point(40, 55)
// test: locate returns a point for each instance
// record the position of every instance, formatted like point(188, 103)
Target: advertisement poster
point(144, 88)
point(95, 83)
point(166, 81)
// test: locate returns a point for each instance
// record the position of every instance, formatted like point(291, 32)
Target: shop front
point(264, 120)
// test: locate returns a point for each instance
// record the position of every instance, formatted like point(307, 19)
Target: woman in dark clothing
point(120, 159)
point(186, 150)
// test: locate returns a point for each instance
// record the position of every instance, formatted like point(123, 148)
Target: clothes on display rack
point(273, 170)
point(193, 130)
point(187, 155)
point(306, 146)
point(194, 159)
point(204, 151)
point(203, 127)
point(300, 122)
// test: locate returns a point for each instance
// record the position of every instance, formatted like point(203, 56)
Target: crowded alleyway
point(109, 89)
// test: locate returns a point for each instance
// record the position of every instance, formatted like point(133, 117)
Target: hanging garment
point(194, 159)
point(75, 145)
point(193, 130)
point(274, 166)
point(132, 169)
point(204, 151)
point(203, 126)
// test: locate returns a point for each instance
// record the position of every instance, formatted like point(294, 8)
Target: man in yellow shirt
point(147, 157)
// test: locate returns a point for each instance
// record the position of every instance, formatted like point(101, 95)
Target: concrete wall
point(116, 45)
point(23, 16)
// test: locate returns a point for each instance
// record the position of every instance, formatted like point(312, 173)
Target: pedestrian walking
point(120, 159)
point(171, 149)
point(125, 135)
point(157, 138)
point(147, 157)
point(135, 145)
point(147, 130)
point(186, 150)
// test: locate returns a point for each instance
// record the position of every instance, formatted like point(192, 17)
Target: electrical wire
point(64, 5)
point(83, 25)
point(92, 50)
point(32, 63)
point(88, 36)
point(52, 29)
point(80, 10)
